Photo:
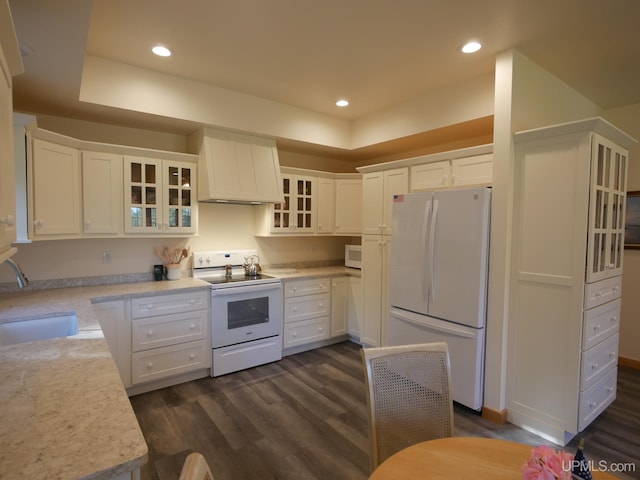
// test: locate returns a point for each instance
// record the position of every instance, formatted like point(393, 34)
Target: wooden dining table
point(462, 458)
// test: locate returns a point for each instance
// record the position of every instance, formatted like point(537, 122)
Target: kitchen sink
point(42, 328)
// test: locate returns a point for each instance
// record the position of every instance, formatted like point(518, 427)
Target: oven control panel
point(220, 258)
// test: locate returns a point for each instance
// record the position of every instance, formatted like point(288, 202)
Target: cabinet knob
point(616, 288)
point(320, 304)
point(295, 309)
point(150, 365)
point(612, 354)
point(319, 329)
point(593, 405)
point(150, 333)
point(596, 328)
point(294, 334)
point(8, 221)
point(192, 326)
point(614, 319)
point(37, 223)
point(192, 301)
point(149, 306)
point(598, 294)
point(595, 366)
point(191, 356)
point(609, 389)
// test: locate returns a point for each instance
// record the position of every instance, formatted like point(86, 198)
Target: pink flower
point(547, 464)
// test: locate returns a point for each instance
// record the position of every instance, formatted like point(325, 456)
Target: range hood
point(236, 168)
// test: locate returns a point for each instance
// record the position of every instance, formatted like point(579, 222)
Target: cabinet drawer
point(171, 303)
point(600, 323)
point(167, 361)
point(304, 308)
point(306, 287)
point(601, 292)
point(598, 360)
point(306, 331)
point(153, 332)
point(597, 398)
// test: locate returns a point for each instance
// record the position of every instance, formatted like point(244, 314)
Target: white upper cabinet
point(326, 203)
point(296, 214)
point(102, 193)
point(159, 196)
point(237, 168)
point(430, 176)
point(476, 170)
point(458, 172)
point(348, 206)
point(606, 209)
point(378, 189)
point(55, 190)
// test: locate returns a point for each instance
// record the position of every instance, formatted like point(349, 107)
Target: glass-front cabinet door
point(159, 196)
point(143, 195)
point(179, 198)
point(606, 209)
point(295, 214)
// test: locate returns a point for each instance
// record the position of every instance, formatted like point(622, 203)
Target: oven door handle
point(248, 289)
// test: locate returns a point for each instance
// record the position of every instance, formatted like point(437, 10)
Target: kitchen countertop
point(64, 412)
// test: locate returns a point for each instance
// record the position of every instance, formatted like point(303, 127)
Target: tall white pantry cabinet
point(568, 240)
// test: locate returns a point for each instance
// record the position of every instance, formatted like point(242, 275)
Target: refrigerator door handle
point(434, 324)
point(424, 245)
point(432, 235)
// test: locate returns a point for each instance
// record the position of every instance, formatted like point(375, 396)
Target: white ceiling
point(309, 53)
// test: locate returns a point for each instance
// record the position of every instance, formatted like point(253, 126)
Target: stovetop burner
point(211, 266)
point(215, 279)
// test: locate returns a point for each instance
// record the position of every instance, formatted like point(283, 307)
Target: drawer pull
point(596, 328)
point(150, 333)
point(192, 301)
point(593, 405)
point(616, 288)
point(320, 305)
point(609, 389)
point(295, 309)
point(595, 366)
point(319, 329)
point(192, 356)
point(149, 306)
point(614, 319)
point(612, 354)
point(149, 365)
point(294, 334)
point(598, 294)
point(192, 326)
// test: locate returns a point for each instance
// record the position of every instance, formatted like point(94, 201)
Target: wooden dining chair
point(195, 467)
point(408, 396)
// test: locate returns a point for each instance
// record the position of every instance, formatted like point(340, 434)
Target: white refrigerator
point(438, 280)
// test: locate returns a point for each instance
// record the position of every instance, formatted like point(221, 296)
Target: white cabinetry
point(339, 306)
point(326, 203)
point(169, 335)
point(565, 285)
point(54, 182)
point(378, 189)
point(115, 322)
point(458, 172)
point(296, 213)
point(376, 253)
point(159, 196)
point(307, 310)
point(7, 164)
point(348, 206)
point(102, 193)
point(356, 307)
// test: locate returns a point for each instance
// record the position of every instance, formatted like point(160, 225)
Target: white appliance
point(438, 283)
point(353, 256)
point(246, 311)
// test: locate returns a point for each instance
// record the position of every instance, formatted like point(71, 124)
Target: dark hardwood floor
point(305, 418)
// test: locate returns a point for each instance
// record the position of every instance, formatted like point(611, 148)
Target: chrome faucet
point(22, 279)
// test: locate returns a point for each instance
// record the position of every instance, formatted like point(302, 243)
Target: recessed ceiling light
point(342, 103)
point(471, 47)
point(161, 51)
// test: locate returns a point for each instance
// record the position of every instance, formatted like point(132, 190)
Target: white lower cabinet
point(315, 312)
point(356, 306)
point(158, 340)
point(169, 335)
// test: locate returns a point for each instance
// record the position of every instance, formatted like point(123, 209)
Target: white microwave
point(353, 256)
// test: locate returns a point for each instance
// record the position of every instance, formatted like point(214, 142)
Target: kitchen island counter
point(64, 412)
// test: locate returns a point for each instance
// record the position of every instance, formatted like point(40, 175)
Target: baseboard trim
point(629, 362)
point(494, 416)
